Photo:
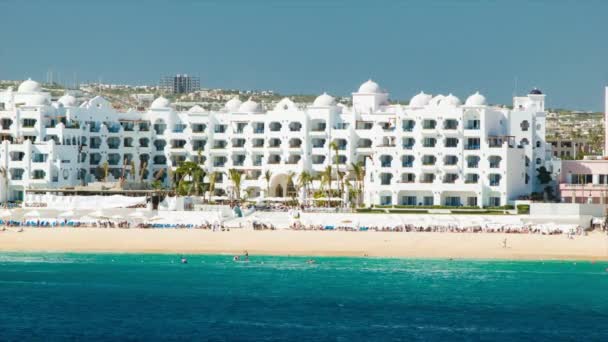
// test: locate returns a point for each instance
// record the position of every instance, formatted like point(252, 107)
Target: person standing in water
point(246, 256)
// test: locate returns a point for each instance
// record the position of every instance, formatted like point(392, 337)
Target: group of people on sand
point(444, 229)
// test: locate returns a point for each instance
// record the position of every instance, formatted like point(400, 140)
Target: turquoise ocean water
point(93, 297)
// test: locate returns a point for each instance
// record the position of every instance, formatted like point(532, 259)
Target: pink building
point(586, 181)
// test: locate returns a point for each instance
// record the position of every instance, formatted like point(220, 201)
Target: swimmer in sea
point(310, 261)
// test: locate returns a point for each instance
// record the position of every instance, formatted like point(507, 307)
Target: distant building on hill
point(180, 84)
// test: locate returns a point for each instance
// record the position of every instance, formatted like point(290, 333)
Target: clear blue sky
point(319, 45)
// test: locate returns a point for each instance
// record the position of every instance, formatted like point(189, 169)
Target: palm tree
point(132, 170)
point(293, 191)
point(334, 146)
point(326, 177)
point(187, 170)
point(197, 178)
point(304, 181)
point(171, 176)
point(359, 172)
point(212, 180)
point(106, 167)
point(236, 176)
point(4, 175)
point(142, 170)
point(267, 176)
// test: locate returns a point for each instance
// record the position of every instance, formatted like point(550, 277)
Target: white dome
point(476, 100)
point(29, 86)
point(250, 106)
point(160, 103)
point(324, 100)
point(233, 104)
point(370, 87)
point(420, 100)
point(37, 100)
point(435, 101)
point(451, 100)
point(67, 100)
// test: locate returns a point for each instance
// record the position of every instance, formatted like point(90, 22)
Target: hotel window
point(494, 201)
point(525, 125)
point(408, 200)
point(429, 124)
point(451, 142)
point(603, 179)
point(429, 142)
point(582, 179)
point(427, 200)
point(452, 201)
point(450, 124)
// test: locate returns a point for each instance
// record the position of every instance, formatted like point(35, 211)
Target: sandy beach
point(320, 243)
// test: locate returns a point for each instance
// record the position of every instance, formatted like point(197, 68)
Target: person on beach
point(504, 243)
point(246, 256)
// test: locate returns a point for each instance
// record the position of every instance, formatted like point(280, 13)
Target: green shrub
point(523, 209)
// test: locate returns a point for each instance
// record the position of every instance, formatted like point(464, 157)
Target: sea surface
point(94, 297)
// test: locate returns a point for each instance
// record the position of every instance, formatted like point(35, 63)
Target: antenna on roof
point(515, 87)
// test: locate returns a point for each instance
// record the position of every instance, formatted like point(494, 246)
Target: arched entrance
point(280, 185)
point(278, 191)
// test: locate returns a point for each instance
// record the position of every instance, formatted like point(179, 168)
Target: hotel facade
point(434, 151)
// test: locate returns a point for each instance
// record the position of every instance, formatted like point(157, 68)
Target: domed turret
point(160, 103)
point(435, 101)
point(250, 106)
point(324, 100)
point(476, 100)
point(37, 100)
point(67, 100)
point(29, 86)
point(233, 104)
point(536, 91)
point(369, 87)
point(420, 100)
point(451, 100)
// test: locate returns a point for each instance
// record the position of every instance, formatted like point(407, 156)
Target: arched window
point(524, 142)
point(525, 125)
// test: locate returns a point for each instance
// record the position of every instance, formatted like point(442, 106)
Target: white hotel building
point(434, 151)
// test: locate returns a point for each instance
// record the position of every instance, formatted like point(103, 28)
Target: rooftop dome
point(369, 87)
point(250, 106)
point(67, 100)
point(324, 100)
point(536, 91)
point(476, 100)
point(160, 103)
point(451, 100)
point(37, 100)
point(420, 100)
point(435, 101)
point(29, 86)
point(233, 104)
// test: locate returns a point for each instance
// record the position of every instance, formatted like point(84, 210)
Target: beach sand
point(321, 243)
